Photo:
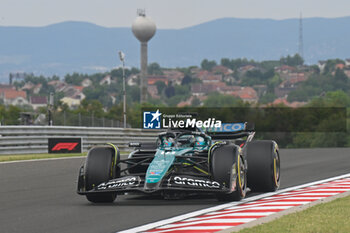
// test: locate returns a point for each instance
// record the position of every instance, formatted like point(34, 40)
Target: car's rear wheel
point(228, 168)
point(100, 168)
point(263, 166)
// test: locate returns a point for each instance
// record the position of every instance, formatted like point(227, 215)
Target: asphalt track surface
point(41, 196)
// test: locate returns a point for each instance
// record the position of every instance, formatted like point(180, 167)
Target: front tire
point(228, 168)
point(263, 166)
point(100, 168)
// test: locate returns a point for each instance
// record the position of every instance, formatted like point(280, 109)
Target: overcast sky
point(166, 13)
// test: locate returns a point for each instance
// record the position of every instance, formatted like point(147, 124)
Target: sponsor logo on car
point(116, 183)
point(194, 182)
point(227, 128)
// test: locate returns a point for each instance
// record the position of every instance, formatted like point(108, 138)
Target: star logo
point(151, 120)
point(156, 115)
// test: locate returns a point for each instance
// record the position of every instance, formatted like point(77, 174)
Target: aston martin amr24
point(225, 163)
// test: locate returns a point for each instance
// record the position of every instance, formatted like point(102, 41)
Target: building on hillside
point(132, 80)
point(75, 92)
point(71, 102)
point(13, 97)
point(152, 79)
point(153, 91)
point(246, 68)
point(79, 95)
point(321, 65)
point(38, 102)
point(174, 76)
point(260, 89)
point(33, 88)
point(222, 70)
point(347, 62)
point(228, 89)
point(284, 69)
point(58, 85)
point(201, 74)
point(289, 85)
point(200, 89)
point(86, 82)
point(247, 94)
point(215, 78)
point(107, 80)
point(340, 66)
point(37, 88)
point(113, 98)
point(28, 86)
point(347, 73)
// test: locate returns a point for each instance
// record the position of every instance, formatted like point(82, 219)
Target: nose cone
point(143, 28)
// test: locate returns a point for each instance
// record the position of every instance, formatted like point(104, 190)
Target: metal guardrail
point(34, 139)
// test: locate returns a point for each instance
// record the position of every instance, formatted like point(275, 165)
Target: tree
point(182, 90)
point(91, 107)
point(316, 85)
point(170, 90)
point(195, 102)
point(220, 100)
point(295, 60)
point(133, 93)
point(154, 68)
point(12, 115)
point(208, 65)
point(254, 77)
point(267, 98)
point(330, 65)
point(236, 63)
point(160, 87)
point(186, 80)
point(75, 78)
point(340, 77)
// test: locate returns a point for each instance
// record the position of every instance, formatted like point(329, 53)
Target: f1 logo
point(151, 120)
point(65, 146)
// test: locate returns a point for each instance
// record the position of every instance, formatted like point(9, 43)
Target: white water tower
point(144, 29)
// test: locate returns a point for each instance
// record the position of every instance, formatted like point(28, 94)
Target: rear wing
point(231, 130)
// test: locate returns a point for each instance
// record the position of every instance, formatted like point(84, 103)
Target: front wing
point(174, 183)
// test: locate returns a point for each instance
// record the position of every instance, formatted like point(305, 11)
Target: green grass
point(5, 158)
point(328, 217)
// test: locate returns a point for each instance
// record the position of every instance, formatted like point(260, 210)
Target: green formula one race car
point(224, 162)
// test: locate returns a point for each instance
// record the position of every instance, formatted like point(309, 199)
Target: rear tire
point(100, 168)
point(263, 166)
point(228, 168)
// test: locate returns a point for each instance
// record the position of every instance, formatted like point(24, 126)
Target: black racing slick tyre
point(100, 168)
point(263, 166)
point(228, 168)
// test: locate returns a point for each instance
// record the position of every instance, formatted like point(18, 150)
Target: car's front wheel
point(99, 168)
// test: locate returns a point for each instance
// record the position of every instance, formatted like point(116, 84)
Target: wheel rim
point(241, 175)
point(276, 169)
